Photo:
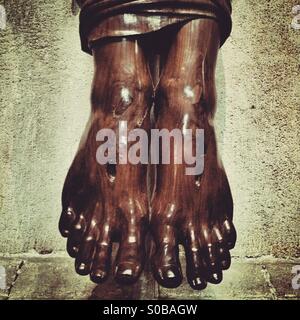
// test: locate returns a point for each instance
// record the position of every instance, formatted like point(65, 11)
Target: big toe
point(168, 276)
point(130, 260)
point(166, 267)
point(127, 272)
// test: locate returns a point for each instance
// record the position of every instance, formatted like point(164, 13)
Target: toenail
point(69, 212)
point(127, 272)
point(66, 232)
point(78, 226)
point(170, 274)
point(169, 278)
point(83, 269)
point(216, 278)
point(198, 284)
point(98, 276)
point(75, 249)
point(197, 281)
point(127, 276)
point(81, 266)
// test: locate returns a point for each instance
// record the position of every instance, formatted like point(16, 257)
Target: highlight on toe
point(82, 268)
point(196, 280)
point(131, 256)
point(98, 276)
point(127, 273)
point(165, 263)
point(225, 258)
point(66, 221)
point(230, 233)
point(215, 277)
point(195, 272)
point(168, 276)
point(102, 260)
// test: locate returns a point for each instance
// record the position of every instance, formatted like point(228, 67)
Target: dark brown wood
point(191, 210)
point(96, 15)
point(103, 204)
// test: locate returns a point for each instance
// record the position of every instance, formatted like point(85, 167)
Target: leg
point(195, 211)
point(106, 203)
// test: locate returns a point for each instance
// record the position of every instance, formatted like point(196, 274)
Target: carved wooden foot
point(107, 203)
point(195, 211)
point(103, 204)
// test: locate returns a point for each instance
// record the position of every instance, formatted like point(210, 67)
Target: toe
point(129, 262)
point(102, 259)
point(214, 272)
point(195, 270)
point(166, 266)
point(101, 263)
point(194, 265)
point(127, 272)
point(225, 259)
point(165, 261)
point(169, 276)
point(72, 247)
point(229, 234)
point(213, 264)
point(76, 234)
point(86, 252)
point(215, 277)
point(222, 249)
point(131, 254)
point(210, 251)
point(66, 221)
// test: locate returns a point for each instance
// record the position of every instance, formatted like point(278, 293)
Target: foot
point(103, 204)
point(195, 211)
point(106, 203)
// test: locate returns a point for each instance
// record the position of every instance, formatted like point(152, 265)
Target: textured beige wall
point(44, 104)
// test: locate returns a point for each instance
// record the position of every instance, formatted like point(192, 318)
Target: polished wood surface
point(195, 211)
point(103, 204)
point(150, 15)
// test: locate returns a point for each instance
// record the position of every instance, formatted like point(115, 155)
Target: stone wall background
point(45, 81)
